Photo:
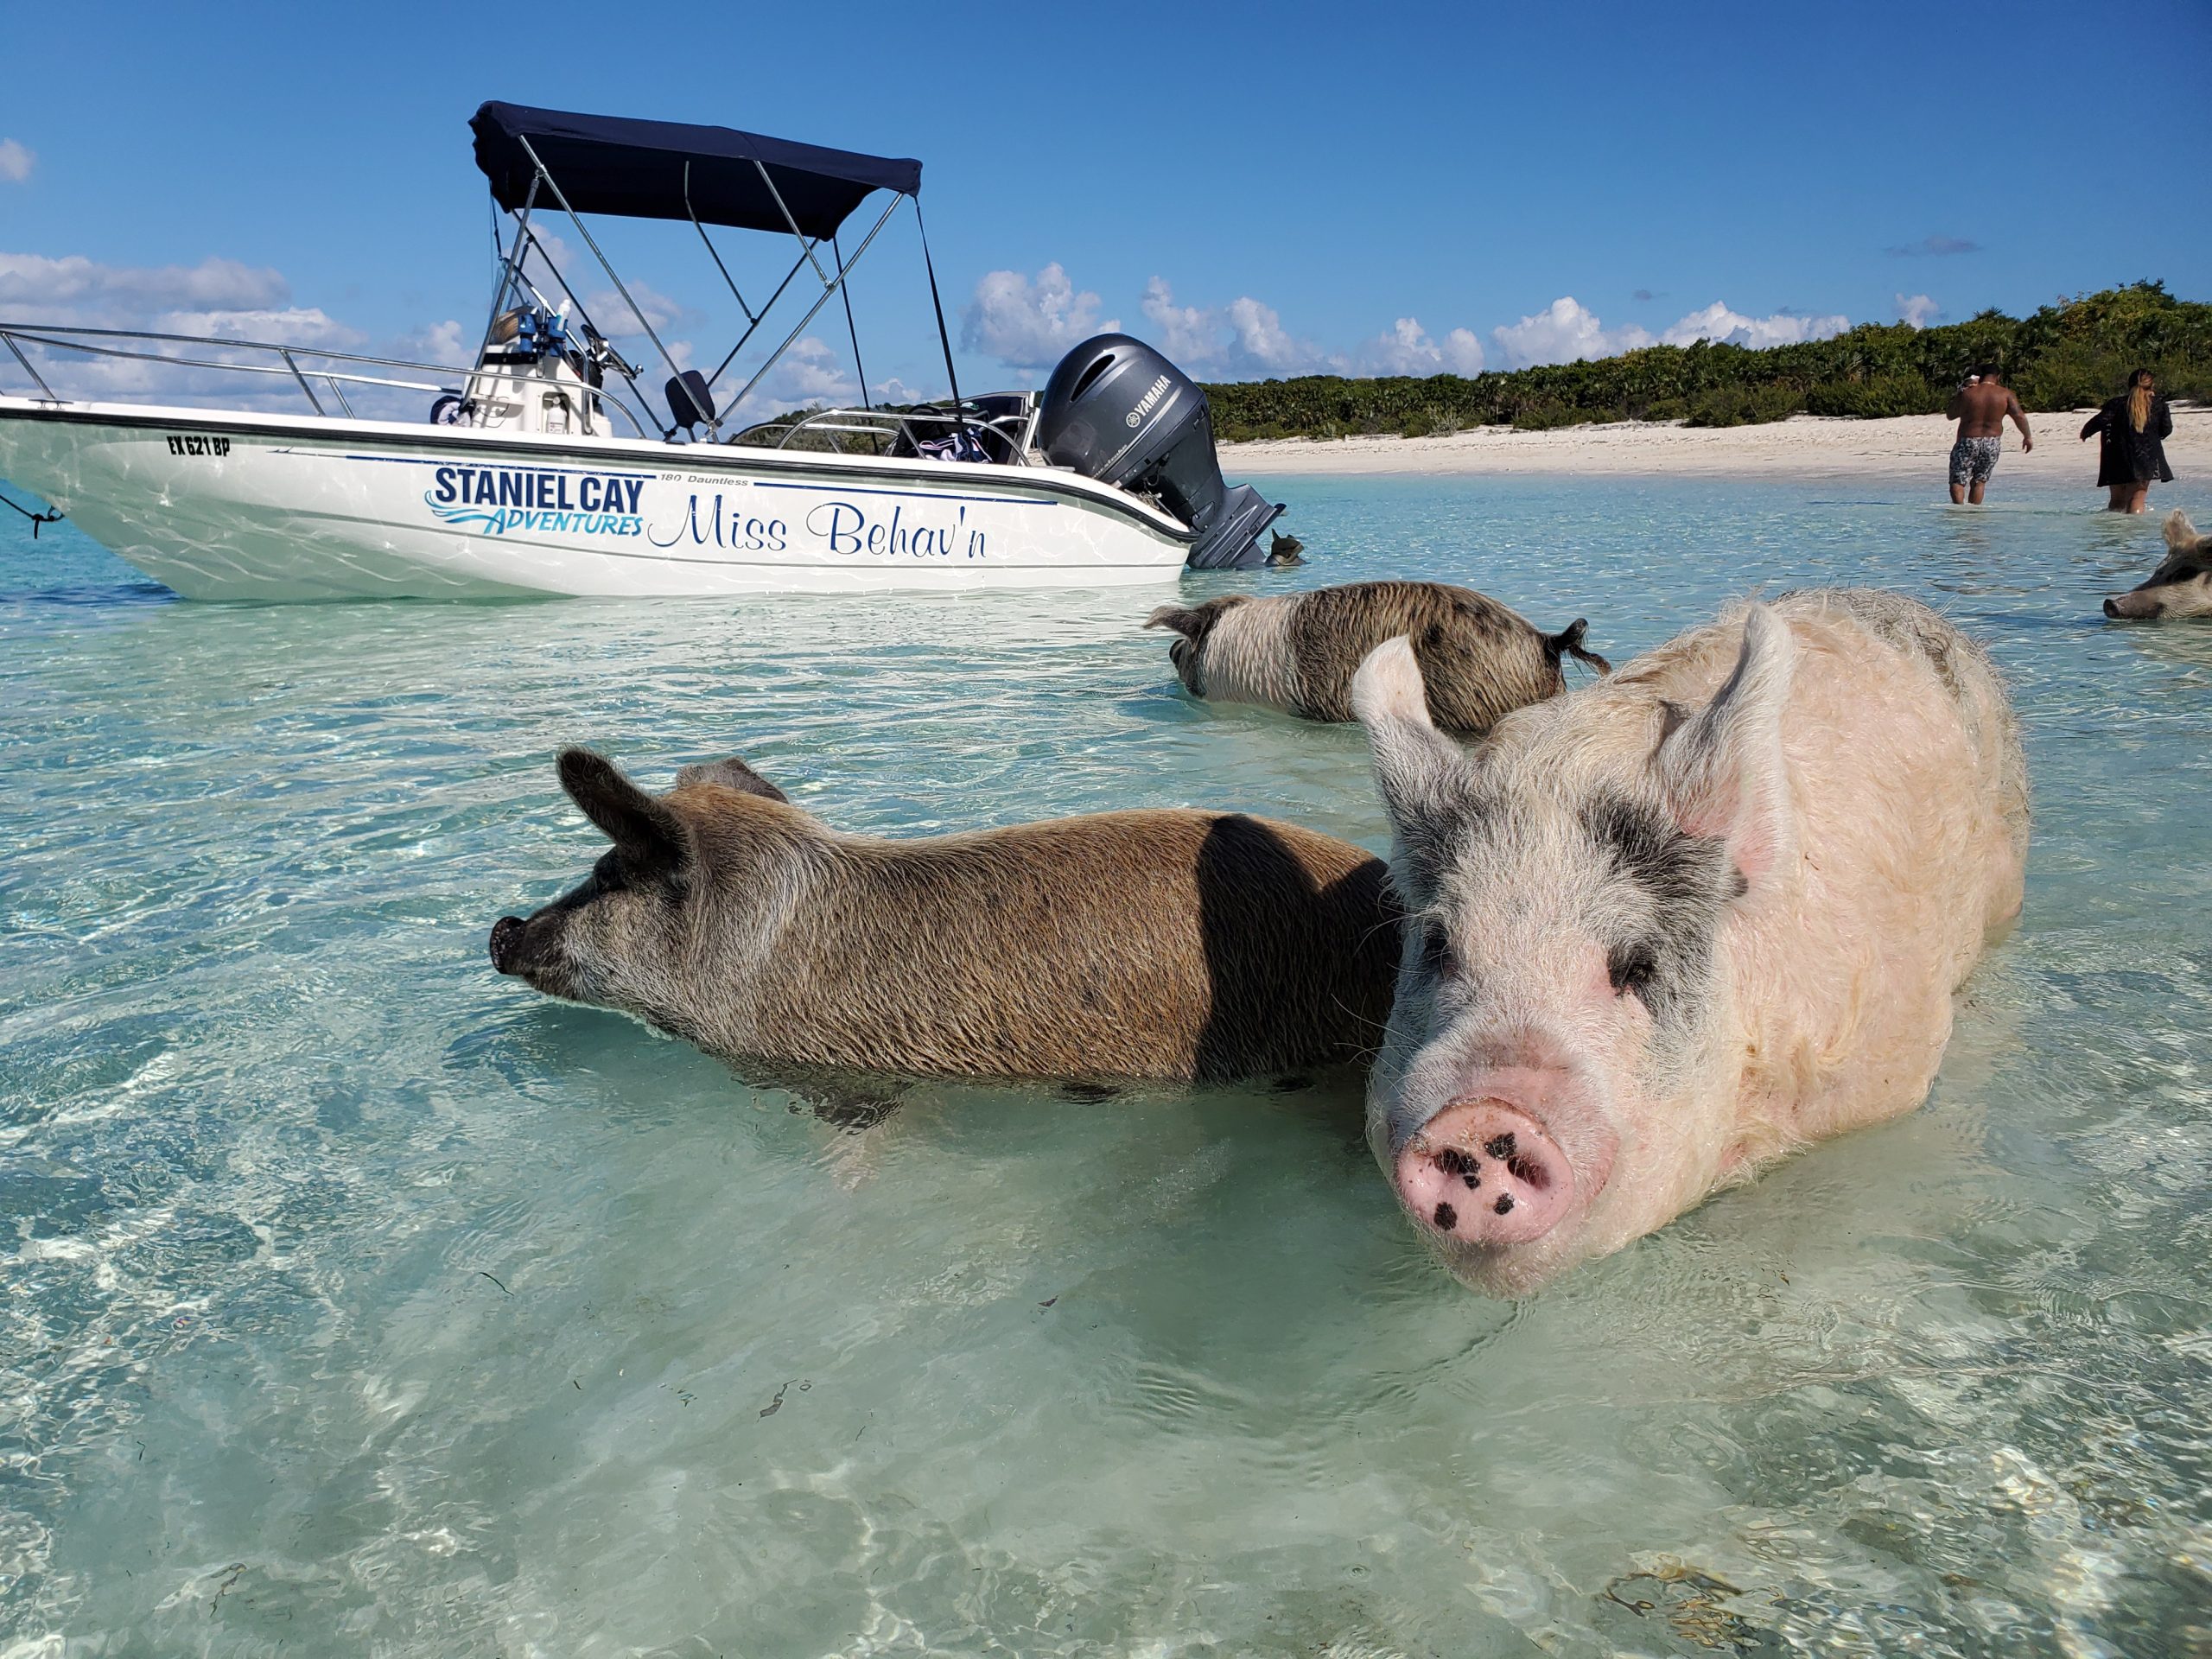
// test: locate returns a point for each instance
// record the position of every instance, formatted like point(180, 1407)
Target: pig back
point(1907, 787)
point(1177, 945)
point(1971, 688)
point(1480, 660)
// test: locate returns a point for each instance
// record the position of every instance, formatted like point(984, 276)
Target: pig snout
point(2132, 606)
point(506, 933)
point(1485, 1173)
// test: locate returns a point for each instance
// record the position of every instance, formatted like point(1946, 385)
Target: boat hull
point(238, 506)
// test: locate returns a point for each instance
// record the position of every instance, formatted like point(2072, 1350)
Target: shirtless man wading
point(1980, 407)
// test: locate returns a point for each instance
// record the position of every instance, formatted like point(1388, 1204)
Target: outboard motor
point(1118, 411)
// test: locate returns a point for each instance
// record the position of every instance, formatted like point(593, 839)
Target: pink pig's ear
point(1722, 769)
point(1423, 775)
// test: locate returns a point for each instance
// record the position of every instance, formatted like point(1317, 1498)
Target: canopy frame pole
point(788, 219)
point(844, 269)
point(852, 333)
point(712, 252)
point(553, 185)
point(509, 268)
point(959, 424)
point(722, 368)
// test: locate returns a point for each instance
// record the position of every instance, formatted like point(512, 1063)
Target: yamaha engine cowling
point(1118, 411)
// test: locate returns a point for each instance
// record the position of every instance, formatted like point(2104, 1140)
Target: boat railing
point(305, 366)
point(1014, 431)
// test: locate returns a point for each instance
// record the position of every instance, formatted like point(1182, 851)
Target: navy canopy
point(636, 169)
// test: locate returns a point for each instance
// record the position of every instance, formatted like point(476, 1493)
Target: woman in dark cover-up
point(2133, 457)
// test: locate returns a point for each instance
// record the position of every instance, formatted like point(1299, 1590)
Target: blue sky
point(1261, 189)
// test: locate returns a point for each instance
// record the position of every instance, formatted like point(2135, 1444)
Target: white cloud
point(1262, 341)
point(1918, 309)
point(814, 373)
point(16, 162)
point(219, 298)
point(1243, 338)
point(1407, 349)
point(1563, 332)
point(290, 325)
point(1030, 325)
point(1724, 328)
point(613, 314)
point(550, 265)
point(545, 257)
point(216, 299)
point(1567, 331)
point(441, 343)
point(1462, 351)
point(809, 374)
point(35, 289)
point(1188, 335)
point(891, 390)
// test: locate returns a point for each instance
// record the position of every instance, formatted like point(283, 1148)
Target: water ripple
point(360, 1302)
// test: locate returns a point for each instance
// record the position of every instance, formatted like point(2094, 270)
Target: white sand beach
point(1805, 446)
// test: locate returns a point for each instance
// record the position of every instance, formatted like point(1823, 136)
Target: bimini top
point(641, 170)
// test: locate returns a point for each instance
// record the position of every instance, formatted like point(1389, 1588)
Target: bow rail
point(305, 366)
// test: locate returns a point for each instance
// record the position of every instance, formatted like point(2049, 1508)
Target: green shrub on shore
point(1744, 406)
point(1876, 398)
point(2067, 355)
point(1542, 418)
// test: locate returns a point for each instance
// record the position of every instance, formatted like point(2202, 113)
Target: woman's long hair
point(2138, 399)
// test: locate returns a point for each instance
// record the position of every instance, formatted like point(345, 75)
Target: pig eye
point(1631, 968)
point(1437, 956)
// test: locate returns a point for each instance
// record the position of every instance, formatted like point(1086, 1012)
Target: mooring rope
point(37, 518)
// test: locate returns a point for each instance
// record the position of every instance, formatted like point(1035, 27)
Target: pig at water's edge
point(1298, 652)
point(1666, 929)
point(1171, 944)
point(2180, 586)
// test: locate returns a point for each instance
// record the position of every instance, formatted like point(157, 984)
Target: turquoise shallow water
point(358, 1302)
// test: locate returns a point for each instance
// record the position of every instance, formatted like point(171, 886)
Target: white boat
point(530, 474)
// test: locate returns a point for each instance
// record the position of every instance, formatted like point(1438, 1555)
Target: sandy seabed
point(1804, 446)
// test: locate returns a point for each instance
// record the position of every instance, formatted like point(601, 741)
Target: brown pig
point(1666, 929)
point(1173, 945)
point(2181, 587)
point(1297, 652)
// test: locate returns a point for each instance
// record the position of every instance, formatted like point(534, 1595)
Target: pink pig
point(1670, 927)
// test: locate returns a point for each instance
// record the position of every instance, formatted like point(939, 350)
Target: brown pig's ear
point(642, 828)
point(731, 773)
point(1189, 624)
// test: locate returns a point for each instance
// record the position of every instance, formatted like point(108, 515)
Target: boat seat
point(690, 403)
